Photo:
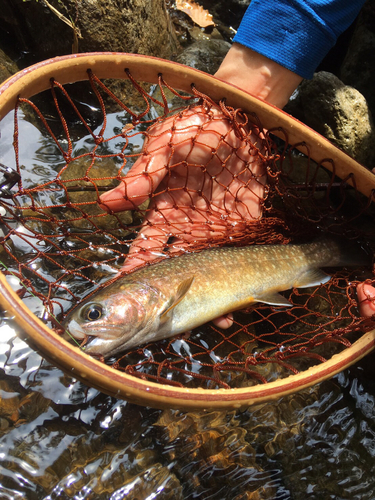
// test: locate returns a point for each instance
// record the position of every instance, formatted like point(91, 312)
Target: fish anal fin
point(274, 299)
point(313, 277)
point(182, 290)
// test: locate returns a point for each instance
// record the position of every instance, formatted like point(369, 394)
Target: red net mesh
point(226, 181)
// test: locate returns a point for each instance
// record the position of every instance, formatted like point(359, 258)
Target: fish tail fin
point(348, 253)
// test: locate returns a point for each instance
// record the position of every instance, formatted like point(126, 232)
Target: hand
point(209, 180)
point(366, 298)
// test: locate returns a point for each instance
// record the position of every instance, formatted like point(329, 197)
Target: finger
point(366, 297)
point(152, 242)
point(146, 174)
point(138, 185)
point(147, 246)
point(224, 322)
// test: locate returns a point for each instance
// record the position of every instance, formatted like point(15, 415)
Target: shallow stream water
point(60, 439)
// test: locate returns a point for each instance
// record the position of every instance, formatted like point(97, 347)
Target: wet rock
point(358, 68)
point(56, 28)
point(205, 55)
point(101, 174)
point(9, 402)
point(7, 67)
point(337, 111)
point(42, 32)
point(227, 15)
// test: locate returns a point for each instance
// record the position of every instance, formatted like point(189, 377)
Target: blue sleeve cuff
point(297, 34)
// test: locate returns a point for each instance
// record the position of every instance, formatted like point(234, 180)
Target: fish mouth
point(107, 332)
point(98, 343)
point(74, 330)
point(100, 346)
point(95, 343)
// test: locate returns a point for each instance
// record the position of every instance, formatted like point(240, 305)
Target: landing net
point(225, 180)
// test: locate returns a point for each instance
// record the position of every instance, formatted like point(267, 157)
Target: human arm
point(258, 75)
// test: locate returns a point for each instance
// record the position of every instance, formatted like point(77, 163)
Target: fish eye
point(93, 312)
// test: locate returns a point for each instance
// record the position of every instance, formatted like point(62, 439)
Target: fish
point(181, 293)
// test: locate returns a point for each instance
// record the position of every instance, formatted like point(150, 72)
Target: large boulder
point(56, 27)
point(205, 54)
point(337, 111)
point(41, 30)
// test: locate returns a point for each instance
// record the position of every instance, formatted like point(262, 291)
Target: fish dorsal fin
point(274, 299)
point(182, 290)
point(313, 277)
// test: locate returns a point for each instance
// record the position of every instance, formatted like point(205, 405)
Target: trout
point(181, 293)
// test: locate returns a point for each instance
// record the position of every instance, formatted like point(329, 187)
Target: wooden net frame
point(70, 69)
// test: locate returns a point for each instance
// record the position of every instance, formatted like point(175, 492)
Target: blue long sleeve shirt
point(296, 33)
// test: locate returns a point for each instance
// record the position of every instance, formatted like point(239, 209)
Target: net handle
point(68, 69)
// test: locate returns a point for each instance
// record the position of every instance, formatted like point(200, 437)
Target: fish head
point(109, 322)
point(121, 317)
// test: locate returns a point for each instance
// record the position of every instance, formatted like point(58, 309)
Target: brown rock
point(338, 112)
point(48, 29)
point(205, 55)
point(7, 67)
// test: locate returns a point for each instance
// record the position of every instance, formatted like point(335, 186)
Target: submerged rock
point(210, 453)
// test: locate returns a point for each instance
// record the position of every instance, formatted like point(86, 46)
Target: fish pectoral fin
point(182, 290)
point(313, 277)
point(273, 299)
